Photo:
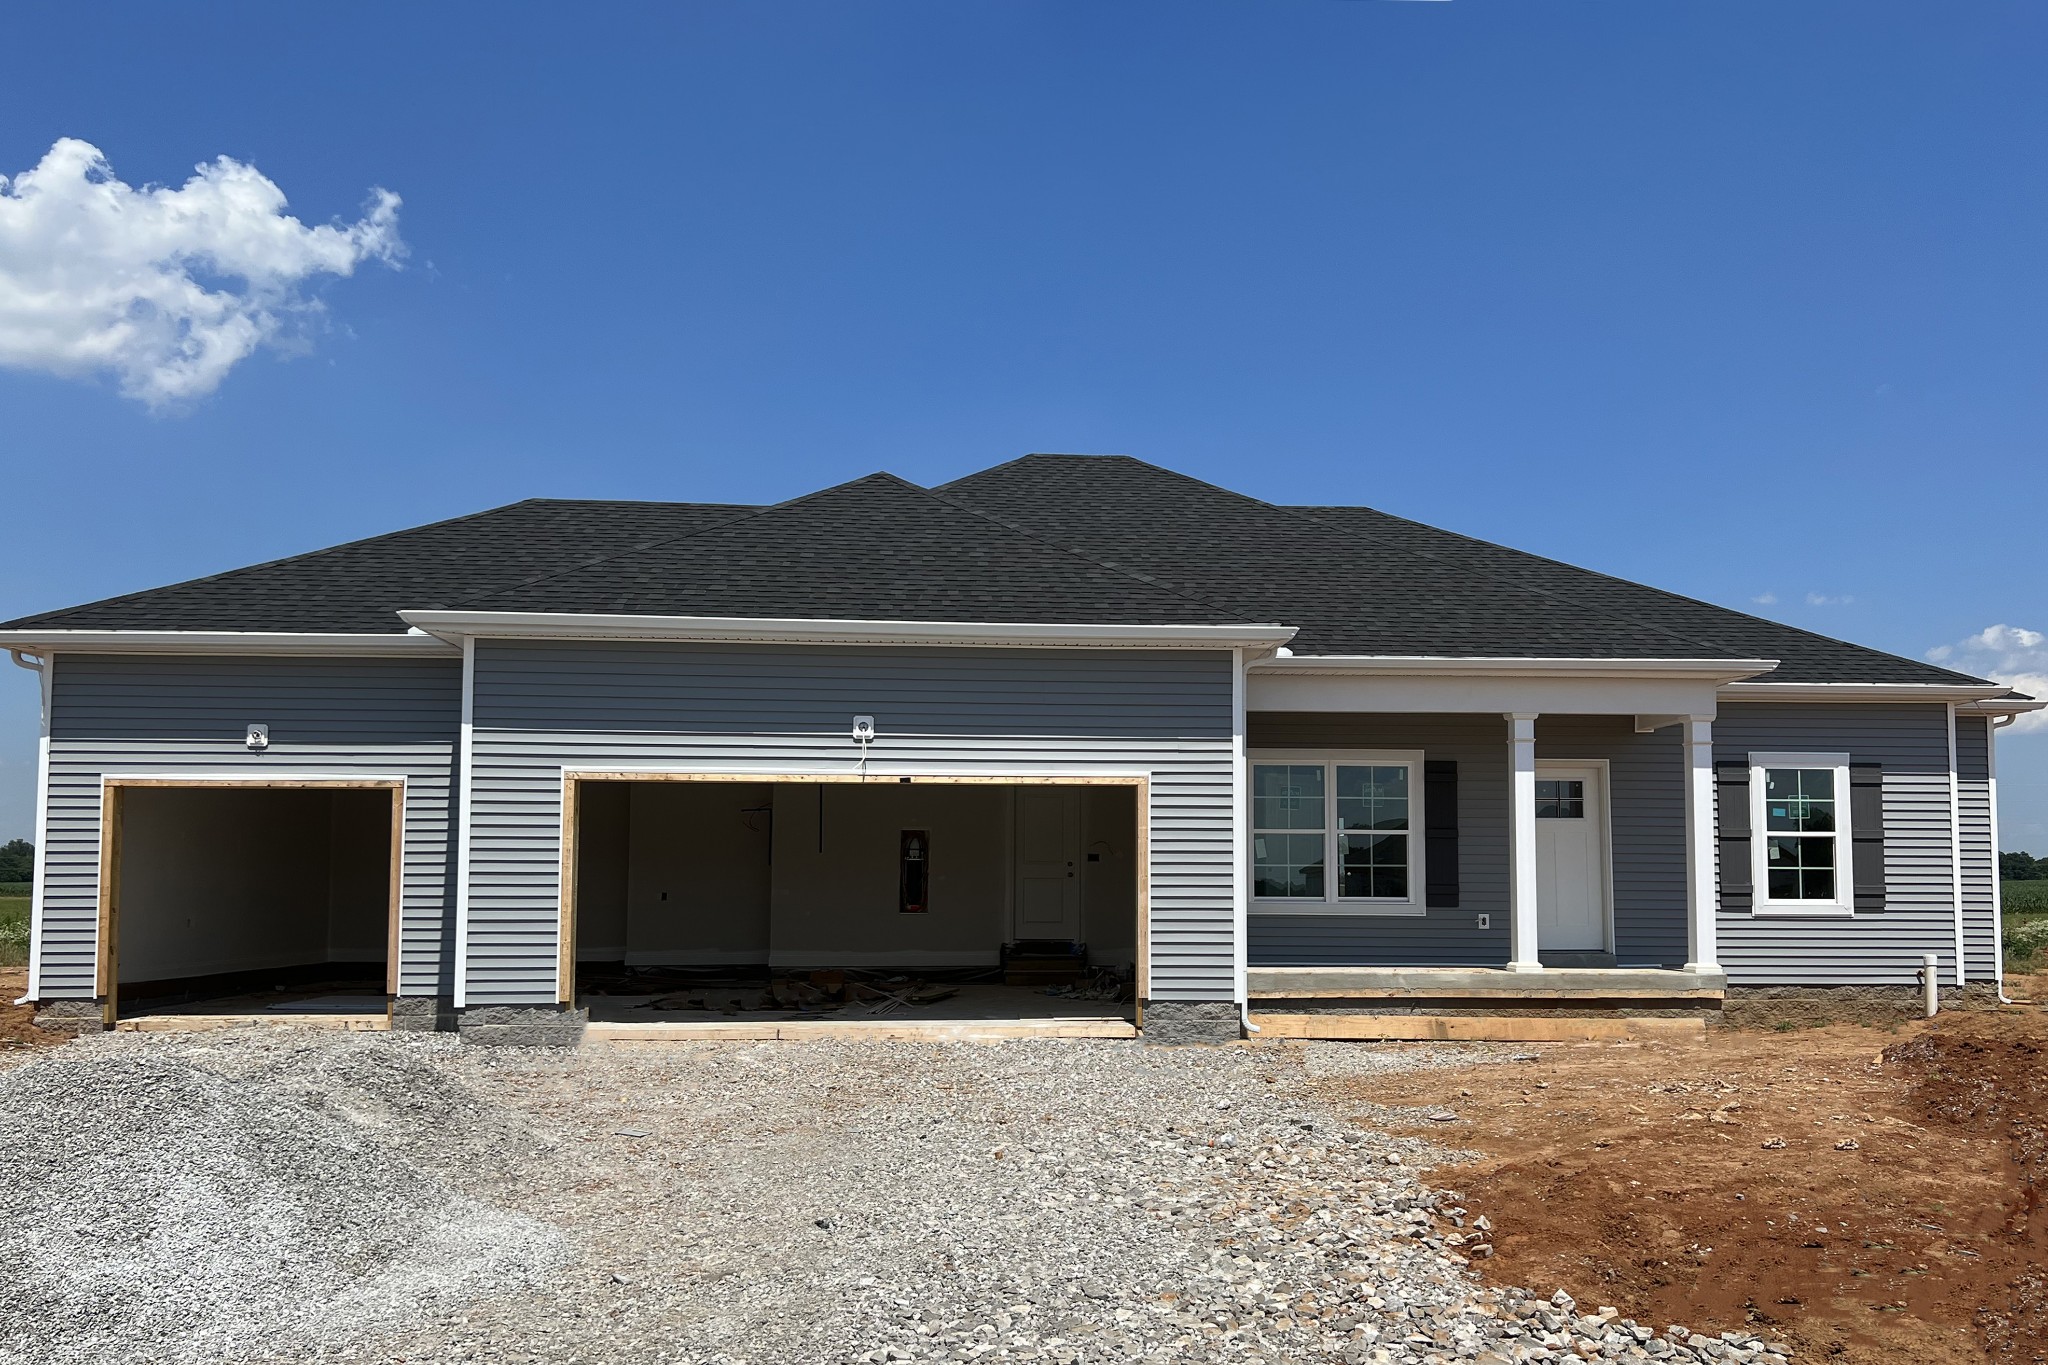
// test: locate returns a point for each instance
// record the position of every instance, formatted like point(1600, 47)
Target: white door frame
point(1606, 869)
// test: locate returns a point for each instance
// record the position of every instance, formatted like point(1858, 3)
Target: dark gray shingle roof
point(1047, 538)
point(360, 586)
point(875, 549)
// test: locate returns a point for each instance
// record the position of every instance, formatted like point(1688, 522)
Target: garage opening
point(771, 905)
point(249, 899)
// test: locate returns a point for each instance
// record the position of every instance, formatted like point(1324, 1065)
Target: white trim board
point(225, 642)
point(510, 625)
point(1480, 692)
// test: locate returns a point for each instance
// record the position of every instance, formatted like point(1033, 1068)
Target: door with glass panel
point(1571, 858)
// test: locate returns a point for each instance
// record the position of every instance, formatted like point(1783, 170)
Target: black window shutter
point(1731, 802)
point(1866, 829)
point(1440, 833)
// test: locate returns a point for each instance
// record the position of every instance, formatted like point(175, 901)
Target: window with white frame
point(1799, 832)
point(1336, 833)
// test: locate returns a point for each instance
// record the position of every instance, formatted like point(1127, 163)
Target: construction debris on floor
point(843, 994)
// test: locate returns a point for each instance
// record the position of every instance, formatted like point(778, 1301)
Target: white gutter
point(2008, 708)
point(1986, 696)
point(222, 642)
point(454, 626)
point(1504, 666)
point(40, 667)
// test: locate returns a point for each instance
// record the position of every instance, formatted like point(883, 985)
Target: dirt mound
point(153, 1199)
point(1989, 1076)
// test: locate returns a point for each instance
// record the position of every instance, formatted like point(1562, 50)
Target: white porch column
point(1522, 842)
point(1701, 898)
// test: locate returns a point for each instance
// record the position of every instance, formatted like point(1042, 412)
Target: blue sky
point(1744, 300)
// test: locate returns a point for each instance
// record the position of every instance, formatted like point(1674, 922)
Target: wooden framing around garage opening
point(107, 978)
point(1141, 818)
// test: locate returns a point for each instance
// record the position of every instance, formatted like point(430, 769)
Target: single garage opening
point(244, 898)
point(736, 902)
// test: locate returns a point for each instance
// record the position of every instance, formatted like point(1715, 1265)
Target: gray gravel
point(288, 1195)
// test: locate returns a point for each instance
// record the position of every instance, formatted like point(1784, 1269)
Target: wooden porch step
point(1471, 1028)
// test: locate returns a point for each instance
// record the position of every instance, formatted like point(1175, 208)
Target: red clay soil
point(1868, 1196)
point(17, 1022)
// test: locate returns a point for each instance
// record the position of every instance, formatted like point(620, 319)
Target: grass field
point(2026, 926)
point(2026, 898)
point(13, 931)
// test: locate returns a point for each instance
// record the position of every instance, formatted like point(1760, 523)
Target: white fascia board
point(1985, 694)
point(222, 642)
point(519, 625)
point(1422, 665)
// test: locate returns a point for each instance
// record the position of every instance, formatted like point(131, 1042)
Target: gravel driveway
point(288, 1195)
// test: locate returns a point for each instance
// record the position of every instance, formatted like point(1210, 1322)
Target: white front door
point(1048, 849)
point(1571, 858)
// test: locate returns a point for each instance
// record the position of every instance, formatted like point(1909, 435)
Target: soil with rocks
point(282, 1194)
point(18, 1029)
point(1863, 1195)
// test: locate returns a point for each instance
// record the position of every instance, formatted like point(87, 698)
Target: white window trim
point(1843, 906)
point(1332, 903)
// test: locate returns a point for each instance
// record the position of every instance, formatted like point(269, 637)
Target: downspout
point(462, 837)
point(45, 678)
point(1991, 729)
point(1955, 836)
point(1240, 954)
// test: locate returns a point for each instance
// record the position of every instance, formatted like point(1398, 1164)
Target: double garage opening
point(759, 905)
point(273, 897)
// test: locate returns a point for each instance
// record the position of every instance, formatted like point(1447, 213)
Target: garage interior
point(742, 903)
point(246, 899)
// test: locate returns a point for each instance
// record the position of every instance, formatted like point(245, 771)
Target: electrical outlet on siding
point(1486, 921)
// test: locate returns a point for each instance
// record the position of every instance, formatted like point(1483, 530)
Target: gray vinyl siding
point(1646, 812)
point(1980, 857)
point(182, 714)
point(1873, 947)
point(542, 706)
point(1479, 746)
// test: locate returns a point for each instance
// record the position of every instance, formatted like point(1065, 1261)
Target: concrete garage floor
point(971, 1010)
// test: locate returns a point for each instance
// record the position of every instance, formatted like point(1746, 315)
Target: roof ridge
point(745, 514)
point(1625, 582)
point(1351, 533)
point(1133, 574)
point(1491, 576)
point(883, 475)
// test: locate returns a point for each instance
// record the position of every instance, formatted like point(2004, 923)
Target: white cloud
point(1821, 599)
point(165, 289)
point(1766, 598)
point(2011, 655)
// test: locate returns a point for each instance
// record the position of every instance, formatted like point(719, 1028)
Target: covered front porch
point(1448, 839)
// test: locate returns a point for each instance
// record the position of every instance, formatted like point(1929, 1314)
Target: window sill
point(1284, 907)
point(1796, 910)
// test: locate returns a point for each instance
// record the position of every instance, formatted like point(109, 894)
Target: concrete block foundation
point(71, 1016)
point(523, 1026)
point(422, 1014)
point(1172, 1022)
point(1810, 1006)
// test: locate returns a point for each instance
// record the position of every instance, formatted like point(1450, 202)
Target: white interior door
point(1048, 854)
point(1571, 858)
